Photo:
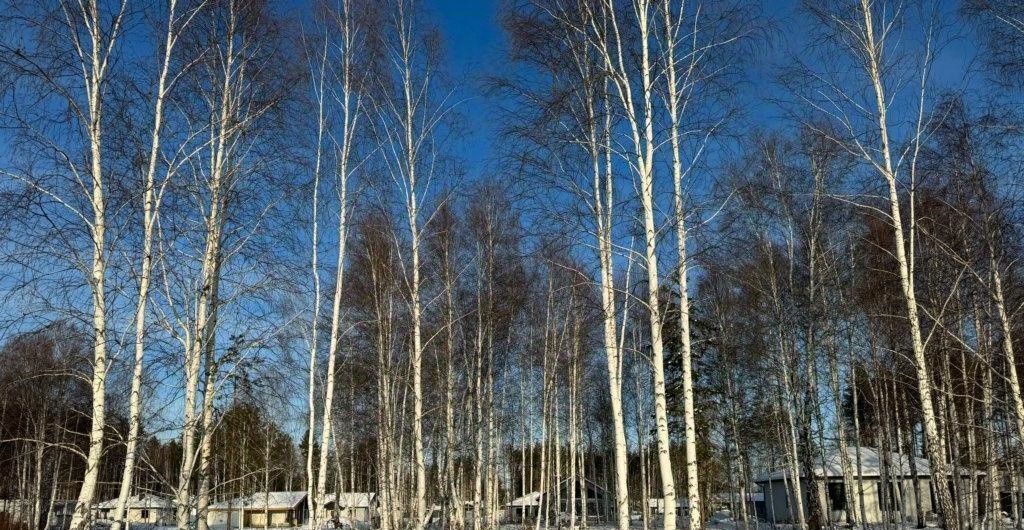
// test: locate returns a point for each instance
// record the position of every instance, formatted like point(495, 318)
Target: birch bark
point(603, 204)
point(94, 57)
point(641, 127)
point(151, 207)
point(931, 431)
point(682, 268)
point(222, 130)
point(350, 113)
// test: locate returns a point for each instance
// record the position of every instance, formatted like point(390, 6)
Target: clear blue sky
point(476, 47)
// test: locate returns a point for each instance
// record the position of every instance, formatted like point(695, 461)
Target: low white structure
point(357, 507)
point(60, 516)
point(591, 502)
point(274, 509)
point(656, 506)
point(437, 512)
point(525, 508)
point(144, 508)
point(898, 495)
point(19, 510)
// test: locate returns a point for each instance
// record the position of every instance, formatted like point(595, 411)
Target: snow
point(721, 520)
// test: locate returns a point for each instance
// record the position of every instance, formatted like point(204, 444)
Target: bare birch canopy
point(411, 265)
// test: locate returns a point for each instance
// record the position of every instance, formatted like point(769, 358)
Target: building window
point(145, 514)
point(836, 496)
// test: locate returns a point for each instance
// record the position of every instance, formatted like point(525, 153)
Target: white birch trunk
point(682, 267)
point(1007, 332)
point(151, 207)
point(314, 488)
point(603, 201)
point(350, 114)
point(203, 332)
point(931, 431)
point(641, 127)
point(456, 509)
point(478, 438)
point(95, 63)
point(209, 394)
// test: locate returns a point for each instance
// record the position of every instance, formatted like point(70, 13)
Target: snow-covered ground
point(348, 525)
point(718, 521)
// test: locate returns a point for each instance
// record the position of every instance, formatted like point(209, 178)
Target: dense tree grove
point(243, 250)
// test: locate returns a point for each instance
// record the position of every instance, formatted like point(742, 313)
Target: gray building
point(895, 497)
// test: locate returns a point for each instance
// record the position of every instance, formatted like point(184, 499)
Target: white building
point(591, 501)
point(656, 506)
point(355, 507)
point(274, 509)
point(144, 508)
point(898, 495)
point(523, 509)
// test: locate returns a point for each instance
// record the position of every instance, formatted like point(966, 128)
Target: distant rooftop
point(274, 500)
point(870, 465)
point(351, 499)
point(143, 501)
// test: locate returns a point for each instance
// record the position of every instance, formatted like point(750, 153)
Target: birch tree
point(637, 108)
point(868, 47)
point(311, 481)
point(937, 459)
point(407, 115)
point(232, 94)
point(349, 98)
point(93, 40)
point(68, 51)
point(153, 191)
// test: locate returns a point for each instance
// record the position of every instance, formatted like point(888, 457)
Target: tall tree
point(152, 196)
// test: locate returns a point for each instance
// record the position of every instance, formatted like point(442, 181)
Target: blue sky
point(476, 47)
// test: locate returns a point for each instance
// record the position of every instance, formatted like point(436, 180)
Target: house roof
point(142, 501)
point(530, 499)
point(352, 499)
point(274, 500)
point(870, 464)
point(534, 498)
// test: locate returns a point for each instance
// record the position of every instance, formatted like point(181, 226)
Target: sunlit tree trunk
point(1017, 401)
point(350, 112)
point(455, 505)
point(639, 114)
point(312, 493)
point(674, 92)
point(598, 139)
point(478, 411)
point(209, 394)
point(150, 210)
point(223, 130)
point(94, 55)
point(936, 458)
